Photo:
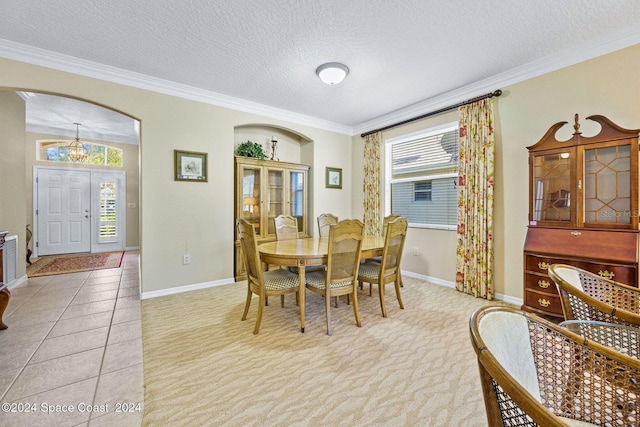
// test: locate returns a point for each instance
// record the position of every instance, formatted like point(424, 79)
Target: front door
point(63, 211)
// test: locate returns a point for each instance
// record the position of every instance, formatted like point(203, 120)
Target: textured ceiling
point(399, 52)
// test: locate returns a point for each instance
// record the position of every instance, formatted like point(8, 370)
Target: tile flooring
point(72, 355)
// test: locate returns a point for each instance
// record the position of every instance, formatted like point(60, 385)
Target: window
point(108, 212)
point(98, 154)
point(421, 176)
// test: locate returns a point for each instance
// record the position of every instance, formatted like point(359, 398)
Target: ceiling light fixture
point(332, 73)
point(77, 151)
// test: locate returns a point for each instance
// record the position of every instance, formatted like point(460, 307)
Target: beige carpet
point(203, 366)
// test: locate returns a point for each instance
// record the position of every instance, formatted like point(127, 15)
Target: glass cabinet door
point(607, 185)
point(551, 187)
point(251, 196)
point(275, 197)
point(297, 198)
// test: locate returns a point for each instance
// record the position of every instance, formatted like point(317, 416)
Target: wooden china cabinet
point(583, 209)
point(265, 189)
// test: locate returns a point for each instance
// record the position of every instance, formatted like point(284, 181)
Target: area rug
point(62, 264)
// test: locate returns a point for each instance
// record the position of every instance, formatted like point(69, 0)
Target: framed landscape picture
point(190, 166)
point(333, 178)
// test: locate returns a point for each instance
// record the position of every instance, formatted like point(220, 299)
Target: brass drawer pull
point(576, 233)
point(606, 274)
point(543, 284)
point(543, 265)
point(544, 302)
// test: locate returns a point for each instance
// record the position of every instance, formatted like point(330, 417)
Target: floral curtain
point(474, 251)
point(372, 184)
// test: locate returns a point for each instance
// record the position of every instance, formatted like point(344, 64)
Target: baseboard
point(205, 285)
point(446, 283)
point(186, 288)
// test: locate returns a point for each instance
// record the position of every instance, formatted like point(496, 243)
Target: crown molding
point(36, 56)
point(545, 65)
point(585, 51)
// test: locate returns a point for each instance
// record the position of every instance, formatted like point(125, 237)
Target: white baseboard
point(186, 288)
point(436, 281)
point(205, 285)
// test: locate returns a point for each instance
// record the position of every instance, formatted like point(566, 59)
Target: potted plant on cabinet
point(251, 149)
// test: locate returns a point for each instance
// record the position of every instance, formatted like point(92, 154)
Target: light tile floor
point(72, 355)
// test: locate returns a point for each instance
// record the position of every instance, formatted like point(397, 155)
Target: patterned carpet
point(61, 264)
point(203, 366)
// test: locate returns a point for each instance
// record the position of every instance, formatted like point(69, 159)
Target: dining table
point(310, 251)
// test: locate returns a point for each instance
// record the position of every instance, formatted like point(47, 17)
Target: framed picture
point(190, 166)
point(333, 178)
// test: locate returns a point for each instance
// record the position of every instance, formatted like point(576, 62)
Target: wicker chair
point(341, 274)
point(324, 221)
point(262, 283)
point(588, 296)
point(385, 222)
point(625, 339)
point(534, 372)
point(388, 270)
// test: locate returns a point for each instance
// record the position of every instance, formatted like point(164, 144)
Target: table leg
point(301, 291)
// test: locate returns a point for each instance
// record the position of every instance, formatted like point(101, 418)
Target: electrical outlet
point(186, 259)
point(416, 251)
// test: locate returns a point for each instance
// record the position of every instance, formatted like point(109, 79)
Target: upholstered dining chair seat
point(279, 279)
point(317, 280)
point(369, 271)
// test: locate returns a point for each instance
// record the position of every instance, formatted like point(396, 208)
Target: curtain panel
point(372, 184)
point(474, 250)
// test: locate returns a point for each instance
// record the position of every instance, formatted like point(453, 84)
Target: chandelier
point(77, 151)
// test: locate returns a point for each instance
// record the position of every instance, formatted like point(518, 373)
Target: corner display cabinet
point(265, 189)
point(583, 209)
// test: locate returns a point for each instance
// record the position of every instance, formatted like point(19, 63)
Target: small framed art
point(333, 178)
point(190, 166)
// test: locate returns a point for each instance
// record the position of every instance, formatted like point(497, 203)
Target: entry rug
point(62, 264)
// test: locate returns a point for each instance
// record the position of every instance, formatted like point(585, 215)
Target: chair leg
point(397, 284)
point(381, 296)
point(266, 300)
point(327, 308)
point(282, 300)
point(259, 316)
point(355, 307)
point(246, 305)
point(336, 300)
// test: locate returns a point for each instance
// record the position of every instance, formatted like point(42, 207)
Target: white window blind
point(108, 212)
point(422, 176)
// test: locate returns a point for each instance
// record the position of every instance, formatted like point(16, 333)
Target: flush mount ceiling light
point(332, 73)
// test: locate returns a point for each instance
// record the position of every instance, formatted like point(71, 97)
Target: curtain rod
point(433, 113)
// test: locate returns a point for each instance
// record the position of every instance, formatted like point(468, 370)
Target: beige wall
point(178, 217)
point(607, 85)
point(130, 168)
point(12, 185)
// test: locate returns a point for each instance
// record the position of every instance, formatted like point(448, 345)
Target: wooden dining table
point(308, 252)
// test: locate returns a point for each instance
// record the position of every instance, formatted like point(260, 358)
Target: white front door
point(63, 211)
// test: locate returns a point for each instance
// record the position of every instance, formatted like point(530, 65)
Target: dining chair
point(324, 221)
point(341, 273)
point(262, 283)
point(385, 222)
point(286, 227)
point(534, 372)
point(388, 269)
point(588, 296)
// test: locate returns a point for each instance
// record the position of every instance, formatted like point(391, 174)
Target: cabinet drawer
point(540, 264)
point(543, 302)
point(619, 273)
point(540, 283)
